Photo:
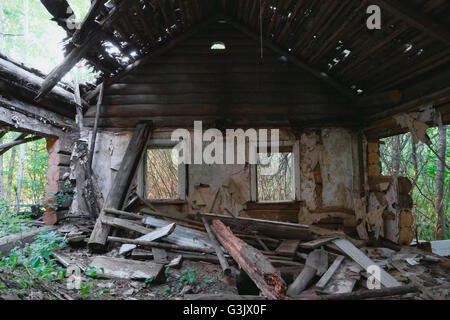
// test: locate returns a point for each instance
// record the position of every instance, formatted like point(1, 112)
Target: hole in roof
point(218, 45)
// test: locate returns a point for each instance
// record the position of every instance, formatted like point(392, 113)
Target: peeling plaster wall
point(329, 148)
point(110, 148)
point(329, 153)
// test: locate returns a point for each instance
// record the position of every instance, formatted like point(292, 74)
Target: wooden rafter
point(417, 19)
point(79, 52)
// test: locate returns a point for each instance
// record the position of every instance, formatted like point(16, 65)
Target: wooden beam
point(437, 97)
point(79, 52)
point(254, 263)
point(94, 131)
point(118, 191)
point(88, 22)
point(292, 58)
point(417, 19)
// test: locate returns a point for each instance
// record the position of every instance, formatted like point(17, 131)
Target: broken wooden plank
point(182, 236)
point(19, 239)
point(365, 294)
point(151, 236)
point(313, 244)
point(316, 264)
point(128, 215)
point(124, 224)
point(365, 262)
point(253, 262)
point(122, 181)
point(175, 262)
point(159, 255)
point(344, 279)
point(152, 244)
point(330, 272)
point(219, 252)
point(127, 269)
point(287, 247)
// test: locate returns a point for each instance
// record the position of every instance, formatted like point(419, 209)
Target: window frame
point(295, 192)
point(182, 171)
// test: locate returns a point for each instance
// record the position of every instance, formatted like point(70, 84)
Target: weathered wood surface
point(365, 262)
point(313, 244)
point(182, 236)
point(162, 245)
point(257, 267)
point(316, 264)
point(128, 269)
point(19, 239)
point(124, 224)
point(122, 181)
point(159, 255)
point(287, 247)
point(330, 272)
point(279, 230)
point(150, 236)
point(219, 251)
point(365, 294)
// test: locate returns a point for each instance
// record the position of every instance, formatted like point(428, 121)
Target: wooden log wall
point(191, 80)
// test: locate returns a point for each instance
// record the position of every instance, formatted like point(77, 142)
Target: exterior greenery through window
point(161, 174)
point(276, 187)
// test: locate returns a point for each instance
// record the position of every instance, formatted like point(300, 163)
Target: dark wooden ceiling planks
point(329, 37)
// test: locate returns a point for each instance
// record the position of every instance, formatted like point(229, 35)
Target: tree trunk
point(12, 161)
point(2, 190)
point(20, 176)
point(441, 228)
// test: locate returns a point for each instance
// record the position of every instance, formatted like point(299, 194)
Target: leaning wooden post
point(94, 131)
point(116, 196)
point(219, 252)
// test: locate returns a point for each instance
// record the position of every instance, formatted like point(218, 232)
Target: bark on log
point(122, 181)
point(258, 267)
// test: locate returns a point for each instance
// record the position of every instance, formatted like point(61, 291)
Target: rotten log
point(117, 194)
point(222, 260)
point(19, 239)
point(253, 262)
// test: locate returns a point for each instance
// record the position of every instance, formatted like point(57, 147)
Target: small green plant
point(148, 282)
point(188, 276)
point(36, 257)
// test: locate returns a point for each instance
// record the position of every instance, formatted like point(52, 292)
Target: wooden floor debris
point(281, 260)
point(127, 269)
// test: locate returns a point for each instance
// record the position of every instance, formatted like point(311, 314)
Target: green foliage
point(29, 35)
point(424, 190)
point(188, 276)
point(10, 223)
point(36, 257)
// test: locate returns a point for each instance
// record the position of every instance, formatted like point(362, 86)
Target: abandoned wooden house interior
point(312, 70)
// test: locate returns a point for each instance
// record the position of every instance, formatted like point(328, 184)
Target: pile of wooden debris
point(283, 260)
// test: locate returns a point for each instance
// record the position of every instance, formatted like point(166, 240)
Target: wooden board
point(182, 236)
point(360, 258)
point(287, 247)
point(151, 236)
point(128, 269)
point(330, 272)
point(316, 243)
point(159, 255)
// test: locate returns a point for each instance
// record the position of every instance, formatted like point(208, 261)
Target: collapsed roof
point(406, 64)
